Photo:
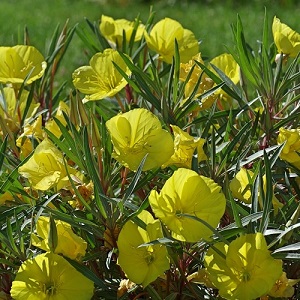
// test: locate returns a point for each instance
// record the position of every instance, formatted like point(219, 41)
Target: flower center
point(178, 213)
point(49, 288)
point(246, 276)
point(149, 258)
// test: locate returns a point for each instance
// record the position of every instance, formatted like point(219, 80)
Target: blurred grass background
point(210, 20)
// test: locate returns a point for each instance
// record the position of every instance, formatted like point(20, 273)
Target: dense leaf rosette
point(20, 62)
point(68, 243)
point(101, 79)
point(162, 38)
point(286, 39)
point(49, 276)
point(137, 133)
point(142, 265)
point(184, 196)
point(244, 269)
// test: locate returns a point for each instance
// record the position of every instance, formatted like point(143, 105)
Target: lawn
point(209, 20)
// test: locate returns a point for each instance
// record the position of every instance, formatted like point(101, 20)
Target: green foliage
point(245, 135)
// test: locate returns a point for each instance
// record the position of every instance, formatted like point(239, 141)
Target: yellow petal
point(19, 62)
point(162, 38)
point(142, 265)
point(137, 133)
point(50, 276)
point(286, 39)
point(180, 196)
point(101, 79)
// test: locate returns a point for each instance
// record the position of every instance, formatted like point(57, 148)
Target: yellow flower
point(113, 30)
point(101, 79)
point(18, 62)
point(184, 147)
point(246, 270)
point(25, 140)
point(49, 276)
point(137, 133)
point(6, 196)
point(124, 286)
point(51, 125)
point(142, 265)
point(162, 37)
point(46, 169)
point(200, 277)
point(185, 68)
point(283, 287)
point(186, 192)
point(291, 138)
point(226, 63)
point(286, 39)
point(12, 110)
point(68, 243)
point(206, 83)
point(241, 185)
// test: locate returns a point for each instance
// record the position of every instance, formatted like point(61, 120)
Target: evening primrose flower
point(113, 30)
point(286, 39)
point(186, 195)
point(241, 186)
point(226, 63)
point(51, 125)
point(101, 79)
point(142, 265)
point(49, 276)
point(162, 38)
point(244, 269)
point(20, 62)
point(206, 83)
point(46, 169)
point(68, 243)
point(12, 110)
point(137, 133)
point(184, 148)
point(291, 138)
point(6, 196)
point(31, 131)
point(283, 287)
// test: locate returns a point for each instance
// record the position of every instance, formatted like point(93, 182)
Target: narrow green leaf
point(135, 179)
point(291, 247)
point(91, 169)
point(88, 273)
point(52, 235)
point(287, 256)
point(12, 178)
point(2, 151)
point(266, 194)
